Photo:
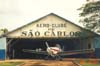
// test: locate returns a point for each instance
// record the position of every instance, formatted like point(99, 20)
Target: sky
point(16, 13)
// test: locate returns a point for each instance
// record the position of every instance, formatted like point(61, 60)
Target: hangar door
point(17, 45)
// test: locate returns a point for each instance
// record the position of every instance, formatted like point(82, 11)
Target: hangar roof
point(48, 25)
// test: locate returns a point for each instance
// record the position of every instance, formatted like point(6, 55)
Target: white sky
point(15, 13)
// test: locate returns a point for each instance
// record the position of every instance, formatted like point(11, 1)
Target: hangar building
point(50, 28)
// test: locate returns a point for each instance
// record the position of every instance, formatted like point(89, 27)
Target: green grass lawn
point(10, 63)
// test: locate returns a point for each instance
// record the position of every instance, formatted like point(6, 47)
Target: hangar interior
point(15, 47)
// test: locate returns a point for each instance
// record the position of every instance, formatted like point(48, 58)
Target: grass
point(10, 63)
point(88, 62)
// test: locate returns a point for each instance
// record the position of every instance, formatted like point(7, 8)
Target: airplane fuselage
point(53, 51)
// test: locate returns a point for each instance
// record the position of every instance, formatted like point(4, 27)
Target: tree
point(91, 16)
point(2, 31)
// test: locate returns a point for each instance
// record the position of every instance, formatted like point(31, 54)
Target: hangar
point(52, 29)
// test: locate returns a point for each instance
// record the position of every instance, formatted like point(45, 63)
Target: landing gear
point(58, 58)
point(53, 57)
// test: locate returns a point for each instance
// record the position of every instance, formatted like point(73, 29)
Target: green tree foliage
point(2, 31)
point(91, 16)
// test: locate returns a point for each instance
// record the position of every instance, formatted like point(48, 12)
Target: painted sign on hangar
point(48, 26)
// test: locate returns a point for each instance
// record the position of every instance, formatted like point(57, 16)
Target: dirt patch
point(48, 63)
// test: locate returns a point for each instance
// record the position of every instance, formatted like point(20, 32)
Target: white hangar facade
point(50, 28)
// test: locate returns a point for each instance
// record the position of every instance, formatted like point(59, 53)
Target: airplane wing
point(76, 52)
point(35, 51)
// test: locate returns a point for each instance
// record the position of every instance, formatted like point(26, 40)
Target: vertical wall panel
point(97, 46)
point(2, 48)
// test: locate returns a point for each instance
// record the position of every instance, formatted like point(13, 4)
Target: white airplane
point(57, 52)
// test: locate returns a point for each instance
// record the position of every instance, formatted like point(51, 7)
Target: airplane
point(56, 52)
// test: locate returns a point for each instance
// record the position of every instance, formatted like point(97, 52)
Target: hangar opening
point(15, 48)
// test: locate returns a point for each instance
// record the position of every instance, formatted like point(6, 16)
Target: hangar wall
point(50, 26)
point(97, 47)
point(2, 48)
